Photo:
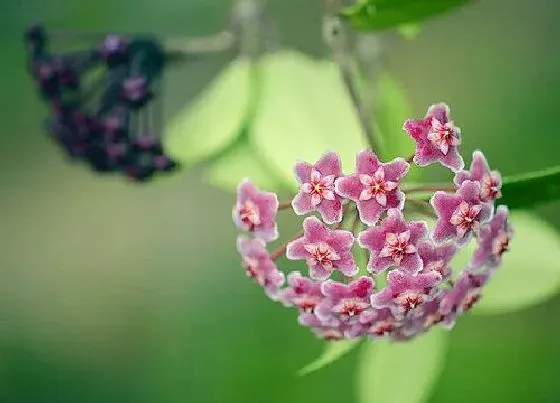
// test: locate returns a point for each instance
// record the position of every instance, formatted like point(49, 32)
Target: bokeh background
point(113, 292)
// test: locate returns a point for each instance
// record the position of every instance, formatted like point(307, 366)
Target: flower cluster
point(364, 213)
point(102, 101)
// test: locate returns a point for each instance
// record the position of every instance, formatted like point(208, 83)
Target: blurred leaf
point(409, 31)
point(529, 189)
point(381, 14)
point(530, 270)
point(214, 119)
point(303, 111)
point(333, 351)
point(242, 162)
point(401, 372)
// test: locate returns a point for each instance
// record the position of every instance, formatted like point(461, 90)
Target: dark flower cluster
point(338, 299)
point(102, 99)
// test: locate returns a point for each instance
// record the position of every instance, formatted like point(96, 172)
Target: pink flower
point(323, 249)
point(437, 258)
point(317, 188)
point(459, 214)
point(374, 186)
point(301, 292)
point(344, 302)
point(490, 181)
point(394, 243)
point(322, 331)
point(462, 296)
point(380, 323)
point(436, 138)
point(259, 266)
point(406, 293)
point(255, 211)
point(493, 240)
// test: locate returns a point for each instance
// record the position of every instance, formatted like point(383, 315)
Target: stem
point(285, 205)
point(425, 207)
point(356, 222)
point(209, 44)
point(431, 188)
point(410, 159)
point(334, 36)
point(281, 249)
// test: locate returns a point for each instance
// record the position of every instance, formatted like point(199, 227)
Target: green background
point(112, 292)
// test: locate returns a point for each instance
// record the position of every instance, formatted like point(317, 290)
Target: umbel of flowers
point(408, 285)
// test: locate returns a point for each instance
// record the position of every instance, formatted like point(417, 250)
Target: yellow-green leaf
point(332, 352)
point(401, 372)
point(212, 122)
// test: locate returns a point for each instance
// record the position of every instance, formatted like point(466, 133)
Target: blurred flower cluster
point(102, 99)
point(408, 285)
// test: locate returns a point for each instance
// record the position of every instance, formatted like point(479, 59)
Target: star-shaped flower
point(490, 181)
point(302, 292)
point(436, 138)
point(317, 188)
point(406, 293)
point(394, 243)
point(379, 323)
point(255, 211)
point(324, 250)
point(259, 266)
point(493, 240)
point(459, 214)
point(345, 302)
point(462, 297)
point(374, 186)
point(437, 257)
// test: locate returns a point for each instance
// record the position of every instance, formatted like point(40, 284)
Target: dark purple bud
point(114, 50)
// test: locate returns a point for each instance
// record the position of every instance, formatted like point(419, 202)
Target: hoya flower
point(259, 266)
point(394, 243)
point(436, 138)
point(405, 292)
point(345, 302)
point(255, 211)
point(493, 240)
point(317, 188)
point(459, 214)
point(437, 257)
point(464, 295)
point(490, 181)
point(379, 323)
point(374, 186)
point(302, 292)
point(322, 331)
point(323, 249)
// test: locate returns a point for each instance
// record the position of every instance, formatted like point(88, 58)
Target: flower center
point(472, 297)
point(350, 307)
point(465, 217)
point(376, 186)
point(409, 300)
point(501, 243)
point(252, 269)
point(489, 189)
point(443, 136)
point(321, 255)
point(382, 328)
point(436, 265)
point(249, 215)
point(307, 303)
point(397, 246)
point(319, 187)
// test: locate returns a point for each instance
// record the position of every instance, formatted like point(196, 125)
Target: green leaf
point(214, 119)
point(242, 162)
point(303, 111)
point(530, 270)
point(527, 190)
point(332, 352)
point(409, 31)
point(401, 372)
point(381, 14)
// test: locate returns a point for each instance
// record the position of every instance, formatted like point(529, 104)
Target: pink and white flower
point(462, 297)
point(493, 240)
point(374, 186)
point(490, 181)
point(323, 249)
point(317, 188)
point(394, 243)
point(436, 138)
point(255, 211)
point(437, 257)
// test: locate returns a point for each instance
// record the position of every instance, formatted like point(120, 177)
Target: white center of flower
point(409, 300)
point(249, 215)
point(350, 307)
point(490, 189)
point(376, 186)
point(382, 328)
point(319, 187)
point(321, 254)
point(501, 243)
point(465, 217)
point(443, 136)
point(397, 246)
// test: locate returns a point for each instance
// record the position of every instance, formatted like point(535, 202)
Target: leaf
point(533, 188)
point(240, 163)
point(214, 119)
point(530, 270)
point(409, 31)
point(381, 14)
point(332, 352)
point(303, 111)
point(401, 372)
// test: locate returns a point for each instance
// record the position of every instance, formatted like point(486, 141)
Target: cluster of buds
point(102, 100)
point(408, 285)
